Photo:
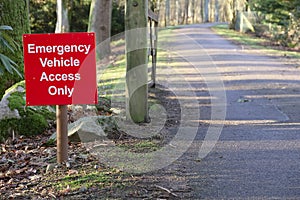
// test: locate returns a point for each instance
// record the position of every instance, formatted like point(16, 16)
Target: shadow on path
point(257, 155)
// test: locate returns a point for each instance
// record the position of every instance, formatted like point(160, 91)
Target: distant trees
point(279, 11)
point(171, 12)
point(282, 15)
point(43, 16)
point(284, 18)
point(197, 11)
point(117, 18)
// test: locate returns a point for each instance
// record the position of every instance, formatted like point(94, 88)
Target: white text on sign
point(60, 61)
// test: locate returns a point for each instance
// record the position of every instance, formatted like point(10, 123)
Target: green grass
point(252, 41)
point(140, 146)
point(174, 27)
point(118, 43)
point(99, 179)
point(112, 77)
point(87, 179)
point(116, 71)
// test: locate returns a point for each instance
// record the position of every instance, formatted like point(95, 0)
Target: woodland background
point(277, 19)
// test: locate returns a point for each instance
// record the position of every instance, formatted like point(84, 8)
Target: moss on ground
point(32, 121)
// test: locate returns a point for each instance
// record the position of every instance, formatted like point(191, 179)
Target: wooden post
point(62, 133)
point(152, 51)
point(62, 26)
point(153, 23)
point(154, 57)
point(136, 17)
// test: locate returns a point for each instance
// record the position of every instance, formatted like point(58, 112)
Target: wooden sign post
point(60, 69)
point(62, 133)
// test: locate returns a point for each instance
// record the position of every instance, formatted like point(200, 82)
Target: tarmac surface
point(247, 145)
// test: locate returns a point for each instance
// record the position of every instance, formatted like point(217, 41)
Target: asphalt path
point(249, 118)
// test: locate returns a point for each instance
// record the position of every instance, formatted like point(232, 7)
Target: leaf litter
point(28, 170)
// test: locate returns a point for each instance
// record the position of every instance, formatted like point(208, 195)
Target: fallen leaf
point(50, 168)
point(34, 177)
point(65, 191)
point(19, 171)
point(10, 173)
point(4, 167)
point(72, 172)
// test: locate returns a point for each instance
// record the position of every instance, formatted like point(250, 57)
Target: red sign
point(60, 69)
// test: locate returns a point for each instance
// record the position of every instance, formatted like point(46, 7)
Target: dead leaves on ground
point(28, 164)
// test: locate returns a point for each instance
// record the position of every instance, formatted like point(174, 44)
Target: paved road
point(257, 155)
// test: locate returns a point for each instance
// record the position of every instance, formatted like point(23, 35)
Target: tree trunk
point(187, 3)
point(157, 6)
point(173, 12)
point(202, 10)
point(14, 13)
point(234, 14)
point(136, 20)
point(62, 23)
point(178, 11)
point(193, 11)
point(100, 23)
point(211, 11)
point(185, 12)
point(226, 11)
point(216, 10)
point(248, 7)
point(167, 14)
point(206, 10)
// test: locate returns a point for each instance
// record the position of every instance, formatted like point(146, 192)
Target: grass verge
point(140, 146)
point(253, 42)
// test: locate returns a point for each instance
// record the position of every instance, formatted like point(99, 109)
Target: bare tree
point(185, 17)
point(216, 10)
point(167, 13)
point(206, 10)
point(62, 23)
point(172, 12)
point(237, 6)
point(178, 11)
point(202, 10)
point(226, 10)
point(193, 10)
point(196, 11)
point(100, 23)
